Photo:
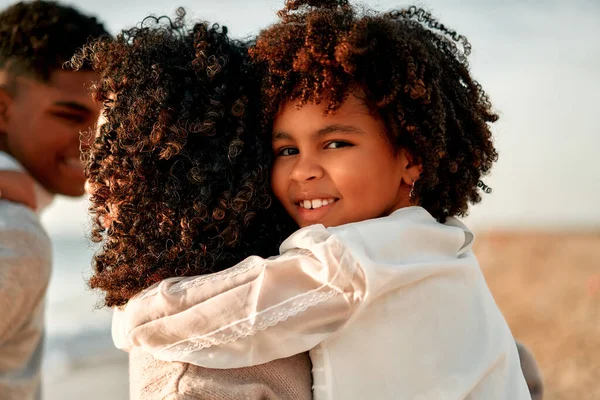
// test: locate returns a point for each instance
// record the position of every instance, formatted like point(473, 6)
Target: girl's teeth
point(317, 203)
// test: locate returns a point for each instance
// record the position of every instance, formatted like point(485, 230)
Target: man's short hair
point(38, 37)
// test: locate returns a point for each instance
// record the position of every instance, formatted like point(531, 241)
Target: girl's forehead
point(312, 120)
point(354, 104)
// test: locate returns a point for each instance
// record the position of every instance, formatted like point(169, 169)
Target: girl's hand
point(18, 187)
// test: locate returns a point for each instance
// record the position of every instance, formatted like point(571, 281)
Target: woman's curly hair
point(177, 172)
point(412, 72)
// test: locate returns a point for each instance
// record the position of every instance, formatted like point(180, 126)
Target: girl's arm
point(265, 309)
point(18, 187)
point(258, 311)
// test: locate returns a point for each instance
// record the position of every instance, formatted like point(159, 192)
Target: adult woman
point(179, 186)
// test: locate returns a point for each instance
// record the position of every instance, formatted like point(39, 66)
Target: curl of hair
point(37, 37)
point(412, 72)
point(178, 171)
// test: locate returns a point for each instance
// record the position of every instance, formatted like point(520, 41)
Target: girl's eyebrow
point(281, 135)
point(333, 128)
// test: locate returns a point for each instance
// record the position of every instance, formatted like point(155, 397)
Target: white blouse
point(390, 308)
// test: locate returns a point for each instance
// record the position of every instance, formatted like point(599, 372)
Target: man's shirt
point(25, 267)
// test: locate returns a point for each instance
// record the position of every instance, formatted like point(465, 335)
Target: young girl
point(380, 137)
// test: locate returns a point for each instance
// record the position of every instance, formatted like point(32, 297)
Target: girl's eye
point(337, 145)
point(288, 151)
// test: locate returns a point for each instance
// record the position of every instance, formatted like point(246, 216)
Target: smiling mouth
point(72, 165)
point(74, 162)
point(316, 203)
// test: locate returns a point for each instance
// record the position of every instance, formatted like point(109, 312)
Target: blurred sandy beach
point(547, 285)
point(97, 378)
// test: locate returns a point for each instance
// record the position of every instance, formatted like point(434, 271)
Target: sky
point(539, 62)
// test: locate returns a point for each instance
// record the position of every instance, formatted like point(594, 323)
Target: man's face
point(42, 126)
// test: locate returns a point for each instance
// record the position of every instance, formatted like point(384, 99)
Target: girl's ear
point(411, 171)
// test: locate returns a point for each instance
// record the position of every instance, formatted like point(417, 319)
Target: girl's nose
point(306, 169)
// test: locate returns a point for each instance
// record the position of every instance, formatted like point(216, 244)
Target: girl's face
point(336, 169)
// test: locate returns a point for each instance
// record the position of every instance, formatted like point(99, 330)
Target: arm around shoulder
point(258, 311)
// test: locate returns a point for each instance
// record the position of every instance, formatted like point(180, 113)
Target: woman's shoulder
point(150, 379)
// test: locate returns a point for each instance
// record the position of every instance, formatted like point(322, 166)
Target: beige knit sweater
point(25, 266)
point(152, 379)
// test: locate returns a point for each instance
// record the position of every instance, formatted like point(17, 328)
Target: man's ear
point(6, 101)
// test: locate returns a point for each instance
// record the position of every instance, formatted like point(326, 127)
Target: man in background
point(43, 109)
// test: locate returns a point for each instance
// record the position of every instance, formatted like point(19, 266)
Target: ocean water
point(77, 330)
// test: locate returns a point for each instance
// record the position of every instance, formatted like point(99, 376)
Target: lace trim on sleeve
point(269, 317)
point(201, 280)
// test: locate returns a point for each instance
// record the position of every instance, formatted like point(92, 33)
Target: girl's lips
point(314, 215)
point(316, 203)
